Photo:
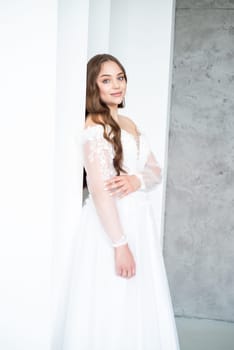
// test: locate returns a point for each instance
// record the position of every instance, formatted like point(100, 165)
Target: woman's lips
point(117, 94)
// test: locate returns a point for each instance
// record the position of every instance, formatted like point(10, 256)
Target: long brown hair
point(99, 111)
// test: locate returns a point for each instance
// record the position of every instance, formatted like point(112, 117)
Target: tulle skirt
point(108, 312)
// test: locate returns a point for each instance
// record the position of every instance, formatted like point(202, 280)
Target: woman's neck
point(114, 113)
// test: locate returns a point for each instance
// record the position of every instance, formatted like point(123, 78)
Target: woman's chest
point(134, 150)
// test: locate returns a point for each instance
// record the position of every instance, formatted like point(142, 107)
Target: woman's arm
point(147, 179)
point(98, 156)
point(98, 162)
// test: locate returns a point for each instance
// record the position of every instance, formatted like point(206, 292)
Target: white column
point(70, 105)
point(28, 32)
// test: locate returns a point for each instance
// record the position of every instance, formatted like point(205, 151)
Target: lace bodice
point(98, 157)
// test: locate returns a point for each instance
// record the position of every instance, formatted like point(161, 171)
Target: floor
point(200, 334)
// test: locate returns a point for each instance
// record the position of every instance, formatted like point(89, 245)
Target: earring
point(122, 104)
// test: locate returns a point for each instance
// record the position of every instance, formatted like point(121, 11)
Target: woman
point(119, 296)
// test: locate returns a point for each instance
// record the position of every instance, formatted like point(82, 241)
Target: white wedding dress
point(105, 311)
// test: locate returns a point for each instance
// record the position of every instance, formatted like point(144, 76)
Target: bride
point(119, 297)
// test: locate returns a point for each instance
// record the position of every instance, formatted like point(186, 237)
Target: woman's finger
point(116, 180)
point(120, 185)
point(123, 188)
point(118, 189)
point(112, 185)
point(124, 273)
point(112, 180)
point(129, 273)
point(124, 193)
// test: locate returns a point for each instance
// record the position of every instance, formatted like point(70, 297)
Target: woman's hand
point(122, 185)
point(124, 262)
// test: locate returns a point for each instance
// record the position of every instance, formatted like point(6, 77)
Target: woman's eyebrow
point(109, 75)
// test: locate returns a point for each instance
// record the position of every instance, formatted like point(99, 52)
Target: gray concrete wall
point(199, 219)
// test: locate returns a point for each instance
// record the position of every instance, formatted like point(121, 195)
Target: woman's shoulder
point(92, 126)
point(89, 122)
point(93, 131)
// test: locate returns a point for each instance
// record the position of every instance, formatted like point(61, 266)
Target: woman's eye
point(121, 78)
point(106, 81)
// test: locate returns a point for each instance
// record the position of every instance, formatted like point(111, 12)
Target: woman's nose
point(115, 83)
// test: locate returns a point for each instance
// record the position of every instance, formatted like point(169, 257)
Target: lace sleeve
point(151, 175)
point(98, 162)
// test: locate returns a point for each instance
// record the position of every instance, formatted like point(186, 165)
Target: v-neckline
point(136, 138)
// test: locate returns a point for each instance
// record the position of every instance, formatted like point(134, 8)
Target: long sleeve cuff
point(122, 241)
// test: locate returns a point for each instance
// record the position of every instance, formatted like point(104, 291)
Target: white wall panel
point(70, 113)
point(99, 26)
point(27, 88)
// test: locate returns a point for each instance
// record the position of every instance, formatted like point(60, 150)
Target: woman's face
point(111, 83)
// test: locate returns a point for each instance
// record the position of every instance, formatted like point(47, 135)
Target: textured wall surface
point(199, 219)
